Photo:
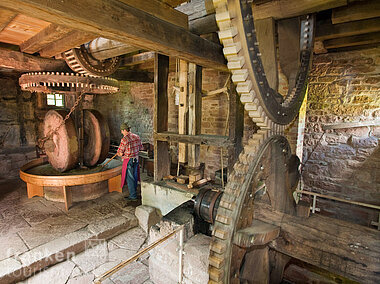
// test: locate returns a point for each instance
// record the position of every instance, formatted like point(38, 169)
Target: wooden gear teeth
point(67, 83)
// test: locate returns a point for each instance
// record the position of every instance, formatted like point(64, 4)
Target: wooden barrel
point(62, 149)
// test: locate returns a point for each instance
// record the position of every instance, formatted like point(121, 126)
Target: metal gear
point(81, 61)
point(47, 82)
point(241, 48)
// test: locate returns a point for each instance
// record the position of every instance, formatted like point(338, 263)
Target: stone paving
point(85, 267)
point(32, 230)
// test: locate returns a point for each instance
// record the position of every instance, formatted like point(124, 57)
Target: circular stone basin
point(71, 186)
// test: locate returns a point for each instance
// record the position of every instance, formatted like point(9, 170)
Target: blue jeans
point(132, 177)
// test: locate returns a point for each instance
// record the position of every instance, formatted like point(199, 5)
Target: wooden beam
point(115, 20)
point(23, 63)
point(202, 139)
point(183, 110)
point(71, 40)
point(48, 35)
point(352, 40)
point(288, 35)
point(138, 58)
point(133, 75)
point(204, 25)
point(266, 35)
point(160, 122)
point(292, 8)
point(347, 249)
point(102, 48)
point(161, 11)
point(5, 18)
point(173, 3)
point(359, 10)
point(326, 30)
point(195, 111)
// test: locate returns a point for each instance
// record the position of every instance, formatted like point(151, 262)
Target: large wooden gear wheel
point(62, 149)
point(263, 175)
point(81, 61)
point(255, 74)
point(65, 83)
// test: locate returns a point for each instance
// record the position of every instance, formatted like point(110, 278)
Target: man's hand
point(119, 154)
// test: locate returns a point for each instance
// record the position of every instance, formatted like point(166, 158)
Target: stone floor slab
point(14, 246)
point(57, 274)
point(104, 268)
point(134, 273)
point(13, 224)
point(120, 254)
point(34, 212)
point(132, 239)
point(84, 279)
point(91, 258)
point(49, 229)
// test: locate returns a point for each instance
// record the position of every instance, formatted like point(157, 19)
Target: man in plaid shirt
point(128, 150)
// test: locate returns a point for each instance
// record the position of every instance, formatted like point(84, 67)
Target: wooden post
point(161, 148)
point(235, 127)
point(195, 111)
point(114, 184)
point(67, 197)
point(183, 110)
point(34, 190)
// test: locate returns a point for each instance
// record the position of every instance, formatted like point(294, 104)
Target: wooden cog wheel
point(81, 61)
point(62, 149)
point(65, 83)
point(263, 175)
point(258, 52)
point(96, 138)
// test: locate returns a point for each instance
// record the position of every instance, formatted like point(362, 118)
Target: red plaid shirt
point(130, 145)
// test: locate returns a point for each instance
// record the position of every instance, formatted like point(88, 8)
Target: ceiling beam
point(5, 18)
point(133, 76)
point(26, 63)
point(48, 35)
point(291, 8)
point(116, 20)
point(160, 10)
point(352, 40)
point(138, 58)
point(326, 30)
point(174, 3)
point(71, 40)
point(359, 10)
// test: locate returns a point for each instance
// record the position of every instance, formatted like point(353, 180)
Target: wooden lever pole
point(108, 161)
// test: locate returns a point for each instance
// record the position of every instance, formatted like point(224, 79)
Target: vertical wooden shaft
point(160, 122)
point(183, 111)
point(195, 111)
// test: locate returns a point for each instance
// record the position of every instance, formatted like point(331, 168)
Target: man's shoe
point(131, 199)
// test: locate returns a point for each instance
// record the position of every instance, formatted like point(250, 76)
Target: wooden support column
point(235, 126)
point(161, 148)
point(195, 111)
point(183, 110)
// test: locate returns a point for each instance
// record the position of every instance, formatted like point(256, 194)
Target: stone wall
point(17, 127)
point(344, 87)
point(133, 104)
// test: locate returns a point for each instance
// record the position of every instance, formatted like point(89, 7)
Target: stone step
point(18, 268)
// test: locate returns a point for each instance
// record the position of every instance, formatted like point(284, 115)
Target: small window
point(55, 100)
